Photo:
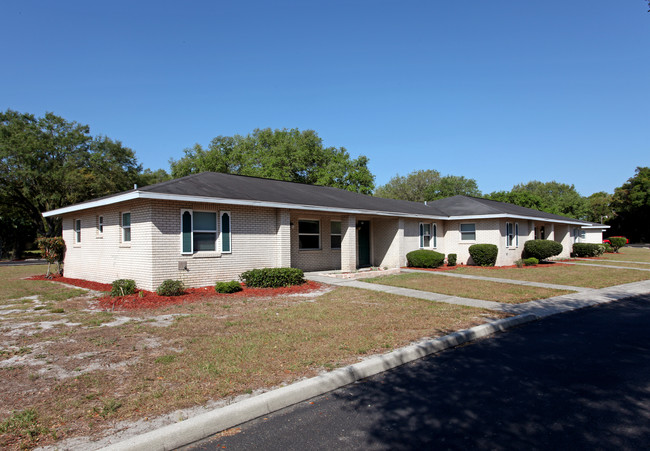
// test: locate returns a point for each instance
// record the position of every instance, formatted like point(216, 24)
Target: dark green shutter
point(225, 232)
point(187, 232)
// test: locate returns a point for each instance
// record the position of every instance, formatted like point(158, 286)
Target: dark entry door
point(363, 240)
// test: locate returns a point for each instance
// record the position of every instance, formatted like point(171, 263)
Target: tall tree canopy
point(599, 207)
point(521, 198)
point(291, 155)
point(48, 162)
point(551, 197)
point(427, 185)
point(453, 185)
point(631, 203)
point(411, 187)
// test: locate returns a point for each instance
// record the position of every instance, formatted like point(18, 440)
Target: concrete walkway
point(541, 308)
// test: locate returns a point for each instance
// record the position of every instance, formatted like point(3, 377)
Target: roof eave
point(217, 200)
point(509, 216)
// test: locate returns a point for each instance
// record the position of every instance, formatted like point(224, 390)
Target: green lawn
point(12, 287)
point(467, 288)
point(625, 264)
point(559, 274)
point(631, 254)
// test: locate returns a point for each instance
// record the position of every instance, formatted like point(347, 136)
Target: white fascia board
point(600, 226)
point(505, 216)
point(217, 200)
point(92, 204)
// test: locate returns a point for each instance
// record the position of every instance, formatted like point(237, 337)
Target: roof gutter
point(134, 195)
point(528, 218)
point(217, 200)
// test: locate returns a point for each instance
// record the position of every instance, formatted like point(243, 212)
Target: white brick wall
point(263, 237)
point(254, 238)
point(104, 257)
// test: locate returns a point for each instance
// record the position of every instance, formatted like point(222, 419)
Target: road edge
point(202, 426)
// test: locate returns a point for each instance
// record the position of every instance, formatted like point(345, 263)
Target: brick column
point(283, 239)
point(349, 243)
point(401, 259)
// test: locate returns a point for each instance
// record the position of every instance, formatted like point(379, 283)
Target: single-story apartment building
point(212, 226)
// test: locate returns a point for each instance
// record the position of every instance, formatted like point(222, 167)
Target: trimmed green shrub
point(451, 259)
point(588, 250)
point(423, 258)
point(170, 287)
point(617, 242)
point(273, 277)
point(542, 249)
point(122, 287)
point(519, 263)
point(228, 287)
point(532, 261)
point(484, 254)
point(609, 249)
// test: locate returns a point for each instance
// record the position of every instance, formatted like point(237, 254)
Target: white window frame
point(463, 233)
point(336, 234)
point(124, 228)
point(100, 226)
point(422, 234)
point(510, 234)
point(217, 232)
point(516, 234)
point(193, 230)
point(320, 244)
point(76, 227)
point(220, 227)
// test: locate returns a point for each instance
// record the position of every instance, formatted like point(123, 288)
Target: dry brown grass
point(467, 288)
point(625, 264)
point(79, 379)
point(581, 276)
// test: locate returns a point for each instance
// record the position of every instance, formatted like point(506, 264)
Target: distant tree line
point(48, 163)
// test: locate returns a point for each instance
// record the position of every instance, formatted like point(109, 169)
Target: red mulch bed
point(76, 282)
point(146, 299)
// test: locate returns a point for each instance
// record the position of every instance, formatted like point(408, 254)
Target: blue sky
point(503, 92)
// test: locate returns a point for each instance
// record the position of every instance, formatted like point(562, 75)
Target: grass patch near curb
point(95, 368)
point(467, 288)
point(575, 275)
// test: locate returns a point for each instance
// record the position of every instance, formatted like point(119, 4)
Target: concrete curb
point(202, 426)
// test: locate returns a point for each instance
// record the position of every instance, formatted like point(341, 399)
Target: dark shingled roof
point(229, 186)
point(254, 189)
point(465, 206)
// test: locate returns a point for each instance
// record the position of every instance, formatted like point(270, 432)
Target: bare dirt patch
point(71, 369)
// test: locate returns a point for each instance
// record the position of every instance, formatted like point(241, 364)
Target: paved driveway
point(580, 380)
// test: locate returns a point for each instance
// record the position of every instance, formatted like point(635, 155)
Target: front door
point(363, 240)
